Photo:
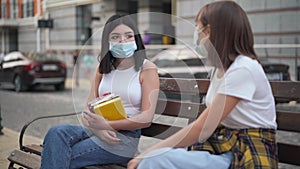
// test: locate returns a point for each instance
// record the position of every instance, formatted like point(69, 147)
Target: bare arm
point(107, 135)
point(95, 83)
point(93, 91)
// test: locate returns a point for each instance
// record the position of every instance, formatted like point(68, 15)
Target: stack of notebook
point(109, 106)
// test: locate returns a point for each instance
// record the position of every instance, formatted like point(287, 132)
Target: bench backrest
point(288, 120)
point(189, 106)
point(169, 104)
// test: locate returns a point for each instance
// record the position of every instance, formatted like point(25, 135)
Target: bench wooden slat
point(37, 149)
point(179, 108)
point(288, 121)
point(160, 131)
point(286, 89)
point(33, 148)
point(288, 153)
point(30, 161)
point(185, 86)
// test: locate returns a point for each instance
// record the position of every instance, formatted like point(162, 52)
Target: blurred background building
point(40, 25)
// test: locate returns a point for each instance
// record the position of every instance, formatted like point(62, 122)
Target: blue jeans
point(73, 146)
point(179, 158)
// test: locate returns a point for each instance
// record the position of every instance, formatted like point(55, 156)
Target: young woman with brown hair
point(238, 127)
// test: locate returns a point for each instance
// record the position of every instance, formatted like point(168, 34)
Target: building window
point(83, 25)
point(30, 10)
point(127, 7)
point(3, 9)
point(27, 8)
point(14, 9)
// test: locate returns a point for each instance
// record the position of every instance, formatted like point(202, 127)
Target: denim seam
point(84, 152)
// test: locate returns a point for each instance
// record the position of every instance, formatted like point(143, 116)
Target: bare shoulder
point(149, 65)
point(149, 72)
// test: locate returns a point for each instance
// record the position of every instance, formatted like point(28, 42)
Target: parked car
point(37, 69)
point(180, 62)
point(276, 71)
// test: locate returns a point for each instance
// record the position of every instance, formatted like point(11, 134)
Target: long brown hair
point(230, 31)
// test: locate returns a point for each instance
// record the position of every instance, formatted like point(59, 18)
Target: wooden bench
point(190, 93)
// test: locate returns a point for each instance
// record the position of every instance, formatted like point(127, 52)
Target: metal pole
point(296, 60)
point(3, 39)
point(1, 127)
point(38, 40)
point(47, 33)
point(38, 31)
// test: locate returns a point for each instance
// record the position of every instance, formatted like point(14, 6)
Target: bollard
point(1, 127)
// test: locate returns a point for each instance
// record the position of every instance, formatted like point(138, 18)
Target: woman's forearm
point(137, 122)
point(184, 137)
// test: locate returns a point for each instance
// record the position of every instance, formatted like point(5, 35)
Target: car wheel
point(60, 86)
point(19, 86)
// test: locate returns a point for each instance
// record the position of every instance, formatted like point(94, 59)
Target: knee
point(156, 159)
point(150, 163)
point(54, 131)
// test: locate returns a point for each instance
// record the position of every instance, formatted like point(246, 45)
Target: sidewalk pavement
point(10, 139)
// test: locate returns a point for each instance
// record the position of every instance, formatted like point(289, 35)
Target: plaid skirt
point(252, 148)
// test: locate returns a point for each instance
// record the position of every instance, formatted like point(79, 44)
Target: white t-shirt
point(245, 79)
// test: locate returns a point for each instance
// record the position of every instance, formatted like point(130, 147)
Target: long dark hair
point(105, 58)
point(230, 31)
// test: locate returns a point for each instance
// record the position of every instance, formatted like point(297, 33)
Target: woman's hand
point(132, 164)
point(83, 120)
point(95, 121)
point(108, 136)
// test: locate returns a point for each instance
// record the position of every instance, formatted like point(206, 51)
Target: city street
point(19, 108)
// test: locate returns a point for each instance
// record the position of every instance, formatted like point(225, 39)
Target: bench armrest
point(38, 118)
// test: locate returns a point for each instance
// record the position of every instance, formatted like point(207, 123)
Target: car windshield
point(42, 57)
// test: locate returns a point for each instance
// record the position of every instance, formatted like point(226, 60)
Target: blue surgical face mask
point(122, 50)
point(200, 49)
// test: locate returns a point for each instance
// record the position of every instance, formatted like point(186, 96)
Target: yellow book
point(111, 109)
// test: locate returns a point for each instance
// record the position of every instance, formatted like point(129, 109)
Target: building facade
point(79, 22)
point(16, 14)
point(275, 24)
point(74, 22)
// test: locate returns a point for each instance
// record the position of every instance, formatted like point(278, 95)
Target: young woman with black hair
point(125, 71)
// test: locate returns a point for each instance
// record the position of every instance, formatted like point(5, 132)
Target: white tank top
point(126, 84)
